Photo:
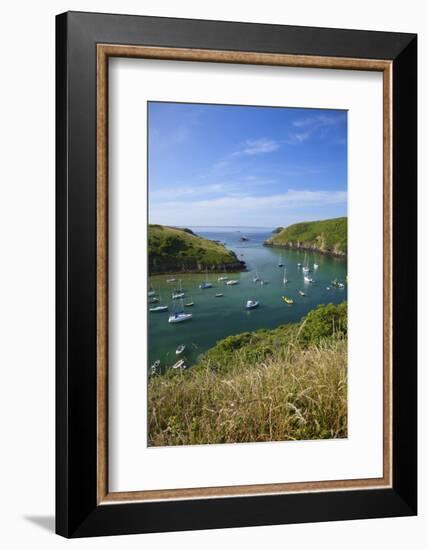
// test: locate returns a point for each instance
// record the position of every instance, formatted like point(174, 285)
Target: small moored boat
point(232, 282)
point(302, 293)
point(284, 279)
point(287, 300)
point(205, 285)
point(154, 369)
point(219, 295)
point(251, 304)
point(157, 309)
point(179, 365)
point(190, 303)
point(179, 317)
point(180, 349)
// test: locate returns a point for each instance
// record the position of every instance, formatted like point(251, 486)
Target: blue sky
point(245, 166)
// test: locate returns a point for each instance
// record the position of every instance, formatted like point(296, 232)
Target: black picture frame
point(77, 511)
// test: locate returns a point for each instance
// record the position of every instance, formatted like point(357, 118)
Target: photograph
point(247, 274)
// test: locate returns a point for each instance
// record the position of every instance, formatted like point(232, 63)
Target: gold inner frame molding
point(104, 52)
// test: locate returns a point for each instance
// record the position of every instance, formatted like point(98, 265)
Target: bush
point(324, 322)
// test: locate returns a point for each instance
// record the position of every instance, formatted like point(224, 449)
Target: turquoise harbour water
point(215, 318)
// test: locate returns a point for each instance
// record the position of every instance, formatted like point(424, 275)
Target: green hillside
point(288, 383)
point(328, 236)
point(172, 250)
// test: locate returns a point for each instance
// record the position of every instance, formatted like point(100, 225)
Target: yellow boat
point(288, 300)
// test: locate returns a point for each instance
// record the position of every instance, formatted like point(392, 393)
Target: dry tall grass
point(300, 393)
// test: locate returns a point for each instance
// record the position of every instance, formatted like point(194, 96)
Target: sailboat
point(280, 264)
point(190, 303)
point(284, 279)
point(256, 279)
point(177, 294)
point(308, 279)
point(223, 277)
point(302, 293)
point(232, 282)
point(160, 307)
point(179, 316)
point(206, 284)
point(305, 267)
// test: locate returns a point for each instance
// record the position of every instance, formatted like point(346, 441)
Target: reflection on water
point(215, 318)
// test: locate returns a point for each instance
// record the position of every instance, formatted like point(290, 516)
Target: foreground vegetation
point(289, 383)
point(328, 236)
point(172, 249)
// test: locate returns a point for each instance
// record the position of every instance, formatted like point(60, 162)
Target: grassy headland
point(172, 250)
point(289, 383)
point(326, 236)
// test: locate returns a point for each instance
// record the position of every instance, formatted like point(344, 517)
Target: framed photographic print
point(236, 265)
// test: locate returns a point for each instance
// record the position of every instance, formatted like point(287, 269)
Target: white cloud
point(305, 128)
point(232, 209)
point(258, 147)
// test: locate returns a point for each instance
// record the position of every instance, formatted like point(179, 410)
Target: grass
point(172, 249)
point(285, 384)
point(325, 235)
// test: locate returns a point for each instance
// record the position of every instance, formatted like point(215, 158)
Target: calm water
point(215, 318)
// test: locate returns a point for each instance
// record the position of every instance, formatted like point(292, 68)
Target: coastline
point(307, 248)
point(237, 267)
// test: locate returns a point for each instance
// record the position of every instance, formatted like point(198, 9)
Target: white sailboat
point(190, 303)
point(280, 264)
point(179, 316)
point(305, 267)
point(256, 279)
point(284, 279)
point(206, 284)
point(232, 282)
point(160, 307)
point(308, 279)
point(223, 277)
point(176, 295)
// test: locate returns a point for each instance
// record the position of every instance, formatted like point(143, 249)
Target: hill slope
point(172, 250)
point(327, 236)
point(270, 385)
